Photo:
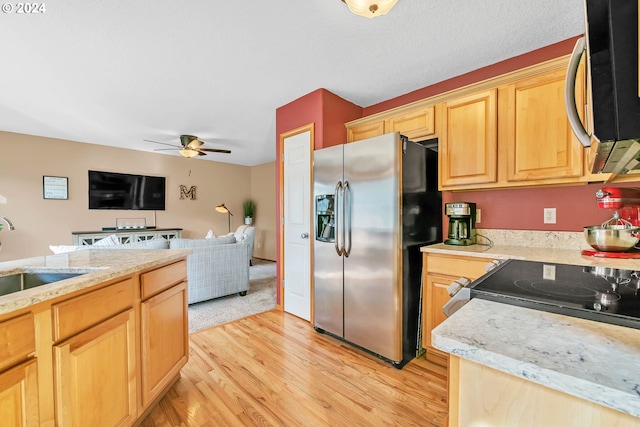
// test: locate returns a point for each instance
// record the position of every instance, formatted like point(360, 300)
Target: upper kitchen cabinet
point(468, 146)
point(540, 144)
point(366, 130)
point(416, 123)
point(533, 144)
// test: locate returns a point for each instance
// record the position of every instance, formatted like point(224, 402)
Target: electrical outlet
point(549, 215)
point(478, 215)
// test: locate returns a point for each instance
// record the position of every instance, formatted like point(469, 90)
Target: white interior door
point(297, 225)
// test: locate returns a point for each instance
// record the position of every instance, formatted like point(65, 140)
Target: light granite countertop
point(591, 360)
point(99, 266)
point(595, 361)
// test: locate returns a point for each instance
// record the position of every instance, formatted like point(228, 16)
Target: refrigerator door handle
point(336, 215)
point(346, 219)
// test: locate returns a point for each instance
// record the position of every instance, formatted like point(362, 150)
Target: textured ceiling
point(118, 72)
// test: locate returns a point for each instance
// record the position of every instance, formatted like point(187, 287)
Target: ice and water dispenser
point(325, 218)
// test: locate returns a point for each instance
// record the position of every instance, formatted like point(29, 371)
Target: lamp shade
point(370, 8)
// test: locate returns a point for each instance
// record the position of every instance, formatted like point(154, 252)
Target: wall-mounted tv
point(110, 190)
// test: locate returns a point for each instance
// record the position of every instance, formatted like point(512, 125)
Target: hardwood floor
point(273, 369)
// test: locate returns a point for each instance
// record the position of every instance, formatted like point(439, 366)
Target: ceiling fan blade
point(215, 150)
point(194, 144)
point(163, 143)
point(200, 153)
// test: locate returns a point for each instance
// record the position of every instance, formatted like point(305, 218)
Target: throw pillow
point(111, 239)
point(59, 249)
point(210, 235)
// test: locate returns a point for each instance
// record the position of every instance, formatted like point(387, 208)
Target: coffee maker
point(462, 223)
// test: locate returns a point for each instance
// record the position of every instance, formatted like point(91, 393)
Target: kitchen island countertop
point(595, 361)
point(99, 266)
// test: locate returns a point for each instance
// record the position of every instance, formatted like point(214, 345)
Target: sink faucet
point(11, 227)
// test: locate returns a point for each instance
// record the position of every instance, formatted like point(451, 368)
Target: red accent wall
point(523, 208)
point(512, 64)
point(329, 113)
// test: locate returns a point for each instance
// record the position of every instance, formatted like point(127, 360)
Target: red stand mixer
point(618, 236)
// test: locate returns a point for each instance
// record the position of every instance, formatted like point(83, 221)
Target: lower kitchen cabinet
point(482, 396)
point(101, 356)
point(438, 272)
point(165, 344)
point(95, 375)
point(19, 395)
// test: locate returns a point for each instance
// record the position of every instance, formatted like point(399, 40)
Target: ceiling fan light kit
point(188, 152)
point(370, 8)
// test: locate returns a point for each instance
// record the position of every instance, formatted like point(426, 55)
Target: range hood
point(611, 45)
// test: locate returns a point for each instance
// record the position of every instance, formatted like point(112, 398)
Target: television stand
point(125, 236)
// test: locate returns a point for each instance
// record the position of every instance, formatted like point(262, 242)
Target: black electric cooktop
point(596, 293)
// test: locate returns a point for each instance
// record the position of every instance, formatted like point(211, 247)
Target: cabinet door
point(540, 142)
point(436, 296)
point(468, 150)
point(165, 343)
point(19, 395)
point(365, 130)
point(415, 125)
point(95, 375)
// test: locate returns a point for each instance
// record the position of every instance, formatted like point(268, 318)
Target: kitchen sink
point(26, 280)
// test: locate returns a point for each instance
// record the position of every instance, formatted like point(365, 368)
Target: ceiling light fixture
point(370, 8)
point(188, 152)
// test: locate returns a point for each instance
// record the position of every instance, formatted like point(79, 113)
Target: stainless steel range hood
point(611, 45)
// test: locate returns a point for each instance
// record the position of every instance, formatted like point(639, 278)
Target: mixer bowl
point(612, 238)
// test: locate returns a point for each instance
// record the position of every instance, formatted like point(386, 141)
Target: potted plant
point(249, 208)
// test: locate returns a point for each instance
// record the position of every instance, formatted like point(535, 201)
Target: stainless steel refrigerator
point(376, 202)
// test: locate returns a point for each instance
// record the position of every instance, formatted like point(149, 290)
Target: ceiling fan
point(190, 147)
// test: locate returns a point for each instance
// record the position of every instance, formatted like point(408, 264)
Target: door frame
point(311, 129)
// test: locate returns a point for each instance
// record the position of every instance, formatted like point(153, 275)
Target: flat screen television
point(110, 190)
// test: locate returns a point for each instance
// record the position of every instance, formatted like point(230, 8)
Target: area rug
point(260, 297)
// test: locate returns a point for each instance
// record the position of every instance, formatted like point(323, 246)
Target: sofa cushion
point(111, 239)
point(195, 243)
point(146, 244)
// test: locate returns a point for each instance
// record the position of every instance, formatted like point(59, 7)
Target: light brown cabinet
point(468, 143)
point(540, 144)
point(438, 272)
point(417, 124)
point(164, 318)
point(515, 134)
point(101, 356)
point(479, 395)
point(365, 130)
point(19, 397)
point(97, 366)
point(19, 405)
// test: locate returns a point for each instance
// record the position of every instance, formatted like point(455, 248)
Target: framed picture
point(55, 187)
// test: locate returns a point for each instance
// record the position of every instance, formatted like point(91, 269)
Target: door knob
point(304, 235)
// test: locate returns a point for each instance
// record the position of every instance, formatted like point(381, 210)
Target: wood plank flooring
point(273, 369)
